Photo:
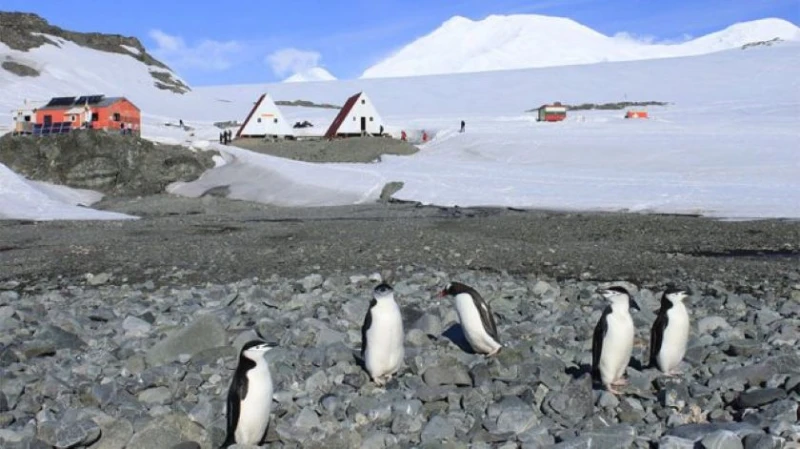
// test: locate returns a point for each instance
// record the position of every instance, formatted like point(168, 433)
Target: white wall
point(362, 108)
point(267, 120)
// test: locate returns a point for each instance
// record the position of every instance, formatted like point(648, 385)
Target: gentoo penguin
point(613, 339)
point(382, 336)
point(670, 332)
point(477, 320)
point(250, 396)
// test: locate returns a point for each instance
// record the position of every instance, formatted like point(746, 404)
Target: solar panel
point(61, 101)
point(90, 99)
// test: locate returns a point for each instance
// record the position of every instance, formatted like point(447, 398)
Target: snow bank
point(21, 199)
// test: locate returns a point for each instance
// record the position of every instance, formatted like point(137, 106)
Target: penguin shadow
point(579, 371)
point(455, 334)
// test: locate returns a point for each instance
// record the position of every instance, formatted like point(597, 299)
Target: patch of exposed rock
point(107, 162)
point(19, 69)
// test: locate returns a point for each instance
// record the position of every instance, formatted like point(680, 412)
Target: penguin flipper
point(597, 341)
point(365, 327)
point(657, 337)
point(236, 392)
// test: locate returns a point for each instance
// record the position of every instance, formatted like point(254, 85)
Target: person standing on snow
point(463, 126)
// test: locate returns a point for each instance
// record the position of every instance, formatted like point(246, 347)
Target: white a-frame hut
point(357, 117)
point(265, 120)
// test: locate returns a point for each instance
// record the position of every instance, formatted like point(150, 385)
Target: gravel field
point(139, 353)
point(355, 149)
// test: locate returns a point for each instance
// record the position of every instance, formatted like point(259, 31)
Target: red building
point(552, 112)
point(63, 114)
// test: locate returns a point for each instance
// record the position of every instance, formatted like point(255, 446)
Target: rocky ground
point(358, 149)
point(139, 353)
point(108, 162)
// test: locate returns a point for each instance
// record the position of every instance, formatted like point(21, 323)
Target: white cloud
point(205, 55)
point(289, 61)
point(648, 39)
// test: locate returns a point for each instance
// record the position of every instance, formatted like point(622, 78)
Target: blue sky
point(215, 42)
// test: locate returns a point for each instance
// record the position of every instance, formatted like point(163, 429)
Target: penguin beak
point(442, 294)
point(633, 305)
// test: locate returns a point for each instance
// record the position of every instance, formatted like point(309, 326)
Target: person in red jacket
point(424, 136)
point(403, 136)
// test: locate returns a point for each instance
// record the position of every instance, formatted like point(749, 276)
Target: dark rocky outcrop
point(24, 31)
point(19, 69)
point(107, 162)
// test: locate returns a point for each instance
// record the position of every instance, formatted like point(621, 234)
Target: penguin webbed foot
point(612, 390)
point(620, 382)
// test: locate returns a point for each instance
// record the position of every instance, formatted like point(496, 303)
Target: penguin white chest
point(617, 346)
point(676, 336)
point(472, 325)
point(255, 408)
point(385, 351)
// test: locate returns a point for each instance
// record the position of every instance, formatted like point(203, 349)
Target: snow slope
point(310, 75)
point(461, 45)
point(21, 199)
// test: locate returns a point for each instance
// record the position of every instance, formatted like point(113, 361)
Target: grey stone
point(759, 397)
point(59, 338)
point(618, 436)
point(98, 279)
point(203, 414)
point(187, 445)
point(744, 348)
point(448, 372)
point(712, 323)
point(572, 404)
point(515, 416)
point(136, 326)
point(3, 403)
point(67, 434)
point(155, 396)
point(696, 432)
point(312, 281)
point(403, 423)
point(307, 419)
point(437, 430)
point(763, 441)
point(722, 439)
point(737, 378)
point(672, 442)
point(417, 338)
point(114, 435)
point(204, 333)
point(428, 323)
point(167, 431)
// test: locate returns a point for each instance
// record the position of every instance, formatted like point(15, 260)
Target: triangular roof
point(264, 97)
point(343, 113)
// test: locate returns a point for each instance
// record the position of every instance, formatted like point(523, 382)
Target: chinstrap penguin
point(382, 336)
point(612, 342)
point(476, 317)
point(250, 396)
point(670, 332)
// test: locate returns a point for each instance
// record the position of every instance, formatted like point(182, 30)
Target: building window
point(370, 119)
point(354, 119)
point(258, 120)
point(95, 117)
point(27, 118)
point(363, 101)
point(275, 120)
point(117, 117)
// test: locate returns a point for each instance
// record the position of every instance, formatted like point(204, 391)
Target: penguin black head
point(618, 295)
point(256, 349)
point(455, 288)
point(675, 295)
point(382, 291)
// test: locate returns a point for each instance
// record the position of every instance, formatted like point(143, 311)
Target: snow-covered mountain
point(310, 75)
point(461, 45)
point(39, 61)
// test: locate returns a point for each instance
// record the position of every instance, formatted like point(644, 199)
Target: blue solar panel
point(90, 99)
point(61, 101)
